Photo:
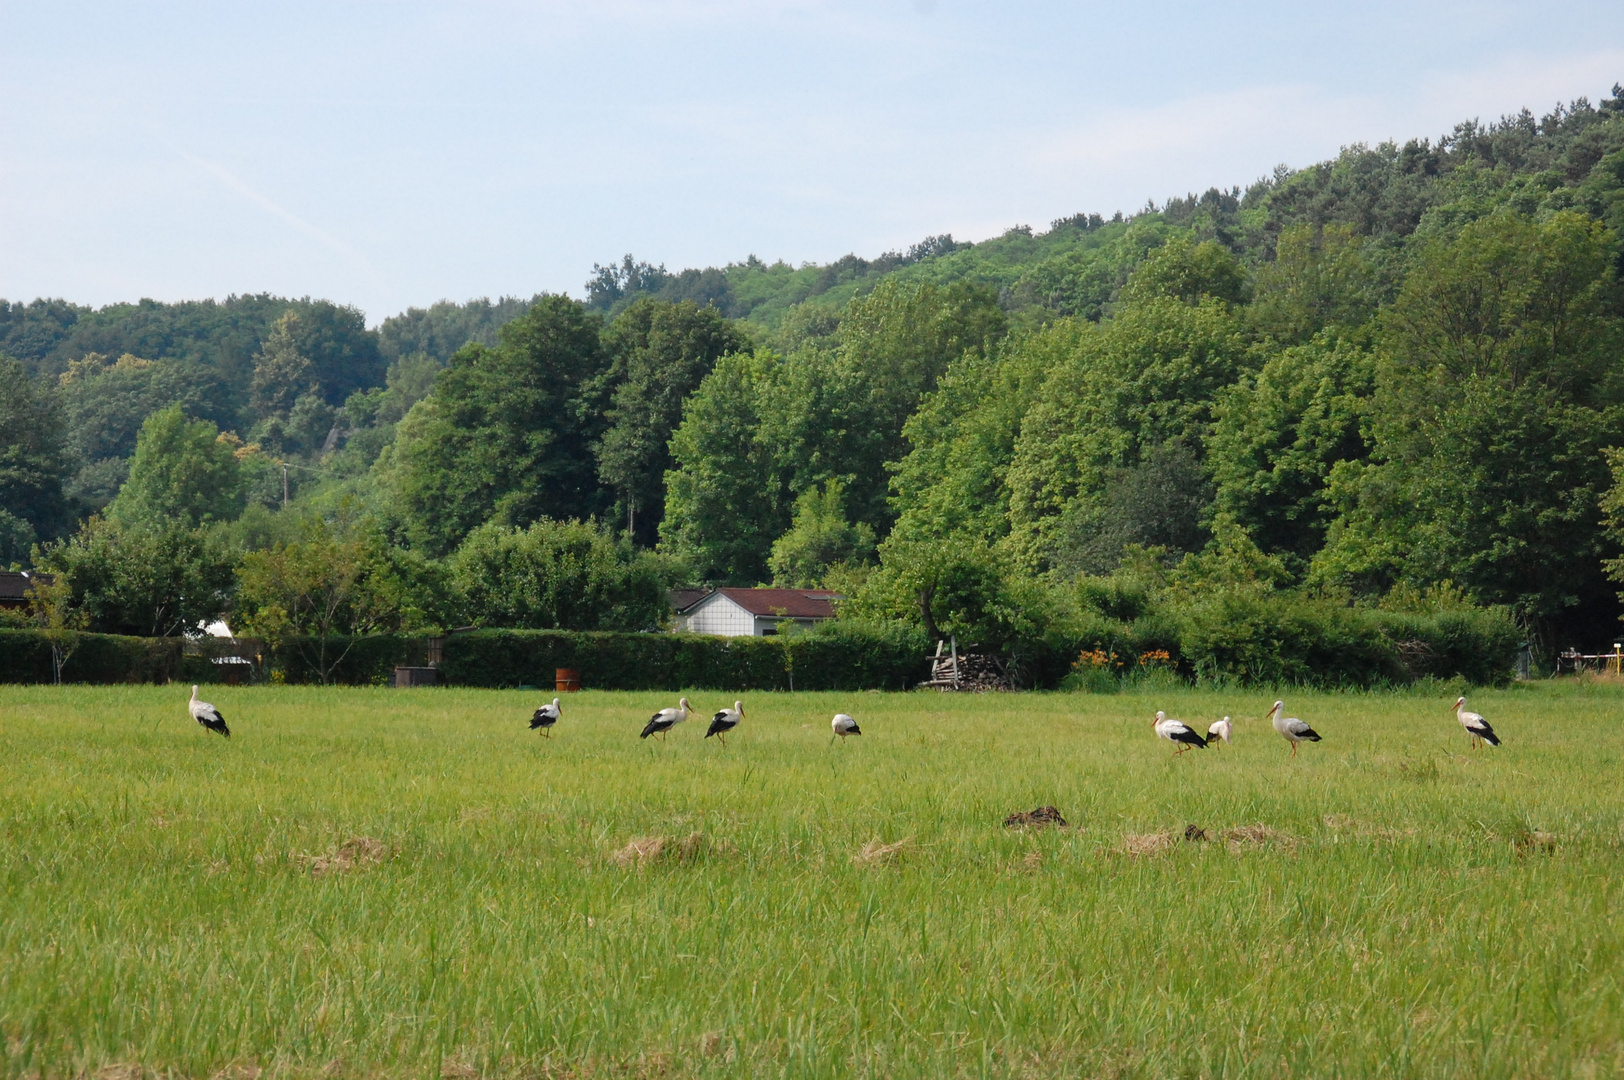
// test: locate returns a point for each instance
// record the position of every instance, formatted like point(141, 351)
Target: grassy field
point(385, 883)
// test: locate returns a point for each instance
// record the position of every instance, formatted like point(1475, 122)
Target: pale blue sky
point(394, 154)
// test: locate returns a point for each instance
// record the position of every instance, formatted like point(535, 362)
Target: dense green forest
point(1390, 381)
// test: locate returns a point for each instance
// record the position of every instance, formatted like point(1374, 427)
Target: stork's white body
point(546, 717)
point(1178, 733)
point(1220, 729)
point(1475, 725)
point(844, 725)
point(1290, 728)
point(666, 719)
point(207, 715)
point(725, 721)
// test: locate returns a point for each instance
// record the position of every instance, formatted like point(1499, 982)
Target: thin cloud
point(275, 209)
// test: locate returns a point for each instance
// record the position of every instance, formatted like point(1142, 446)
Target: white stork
point(725, 721)
point(545, 718)
point(1290, 728)
point(207, 715)
point(666, 719)
point(844, 725)
point(1177, 731)
point(1475, 725)
point(1220, 729)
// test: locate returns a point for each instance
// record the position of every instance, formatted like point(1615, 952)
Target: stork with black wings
point(207, 715)
point(545, 718)
point(725, 721)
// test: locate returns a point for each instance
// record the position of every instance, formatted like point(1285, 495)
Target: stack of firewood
point(953, 670)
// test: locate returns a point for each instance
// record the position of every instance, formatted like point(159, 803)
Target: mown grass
point(410, 883)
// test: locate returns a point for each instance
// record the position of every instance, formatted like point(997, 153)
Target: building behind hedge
point(752, 612)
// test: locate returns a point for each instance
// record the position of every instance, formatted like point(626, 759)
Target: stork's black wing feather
point(1191, 736)
point(1486, 733)
point(721, 724)
point(653, 727)
point(854, 730)
point(1310, 734)
point(215, 722)
point(544, 718)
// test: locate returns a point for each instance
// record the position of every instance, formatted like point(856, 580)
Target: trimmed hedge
point(834, 657)
point(25, 657)
point(1286, 639)
point(370, 661)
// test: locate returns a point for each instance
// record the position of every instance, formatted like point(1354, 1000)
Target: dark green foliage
point(507, 434)
point(1282, 639)
point(838, 657)
point(106, 400)
point(660, 351)
point(439, 330)
point(153, 581)
point(1159, 502)
point(1489, 419)
point(33, 463)
point(819, 539)
point(222, 335)
point(183, 474)
point(763, 429)
point(1280, 432)
point(25, 657)
point(558, 575)
point(347, 661)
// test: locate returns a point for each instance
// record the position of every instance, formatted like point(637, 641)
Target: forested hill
point(1386, 194)
point(1392, 378)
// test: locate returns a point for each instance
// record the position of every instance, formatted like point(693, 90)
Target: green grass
point(1410, 908)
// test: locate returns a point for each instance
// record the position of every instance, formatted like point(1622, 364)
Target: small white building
point(753, 612)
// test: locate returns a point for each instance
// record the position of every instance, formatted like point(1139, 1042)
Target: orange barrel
point(567, 679)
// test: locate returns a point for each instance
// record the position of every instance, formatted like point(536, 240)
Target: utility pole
point(284, 484)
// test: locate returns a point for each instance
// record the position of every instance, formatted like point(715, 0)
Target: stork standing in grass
point(1475, 725)
point(725, 721)
point(1177, 732)
point(1220, 729)
point(207, 715)
point(666, 719)
point(844, 725)
point(545, 718)
point(1290, 728)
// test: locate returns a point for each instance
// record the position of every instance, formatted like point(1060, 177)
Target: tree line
point(1392, 379)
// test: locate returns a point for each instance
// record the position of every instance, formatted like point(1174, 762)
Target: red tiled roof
point(795, 603)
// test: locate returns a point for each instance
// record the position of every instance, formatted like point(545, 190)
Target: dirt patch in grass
point(647, 850)
point(1144, 845)
point(1346, 824)
point(356, 853)
point(1040, 818)
point(876, 853)
point(1243, 835)
point(1533, 842)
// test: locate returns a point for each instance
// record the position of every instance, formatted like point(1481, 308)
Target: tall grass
point(410, 883)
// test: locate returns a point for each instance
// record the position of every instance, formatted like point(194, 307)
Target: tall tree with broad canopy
point(1498, 388)
point(659, 353)
point(32, 463)
point(816, 415)
point(507, 434)
point(183, 472)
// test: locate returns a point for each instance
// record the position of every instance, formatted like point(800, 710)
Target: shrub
point(558, 575)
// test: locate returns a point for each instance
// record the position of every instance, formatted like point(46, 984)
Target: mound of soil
point(1037, 819)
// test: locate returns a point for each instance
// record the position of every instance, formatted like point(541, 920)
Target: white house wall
point(722, 616)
